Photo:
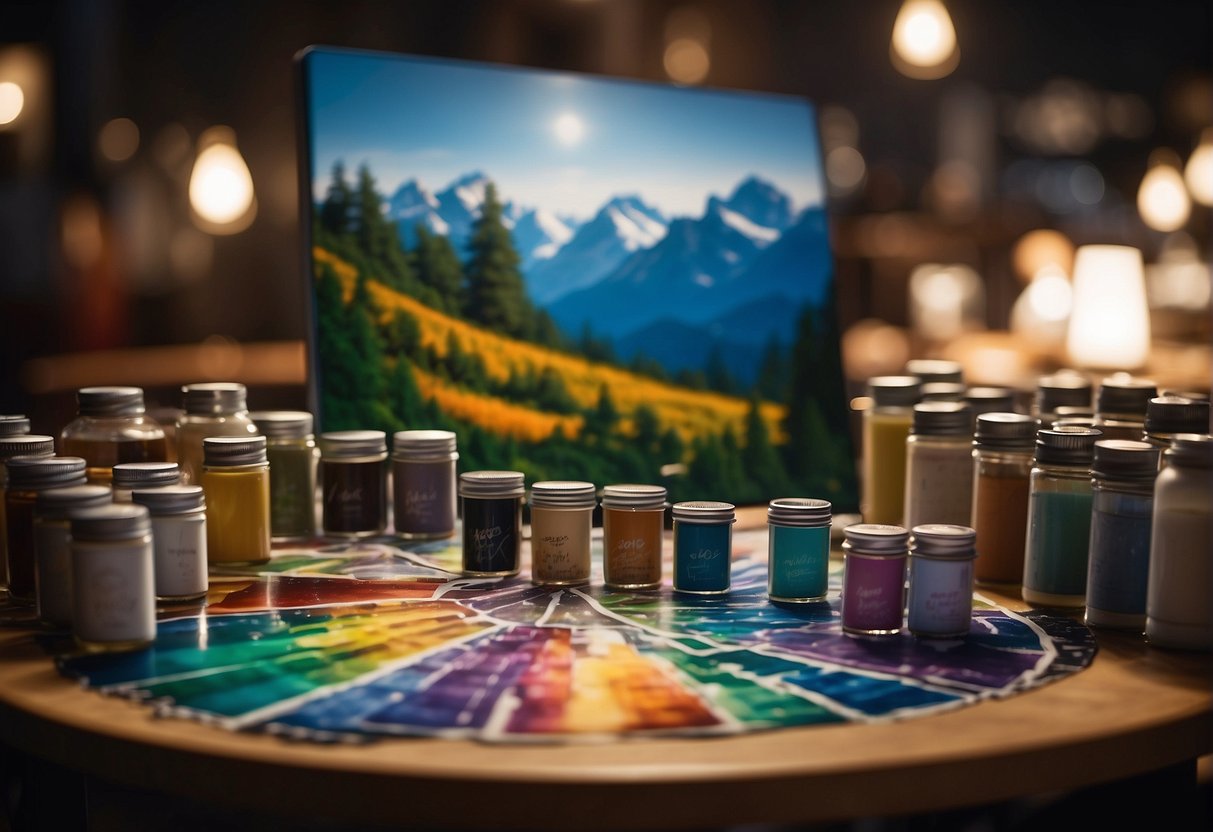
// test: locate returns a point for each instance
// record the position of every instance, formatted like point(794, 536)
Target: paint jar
point(129, 476)
point(1167, 416)
point(1120, 406)
point(1179, 606)
point(1122, 479)
point(942, 391)
point(236, 479)
point(12, 446)
point(52, 547)
point(1002, 463)
point(1059, 518)
point(939, 465)
point(13, 425)
point(562, 515)
point(211, 409)
point(492, 522)
point(989, 400)
point(940, 601)
point(353, 483)
point(886, 425)
point(113, 589)
point(423, 483)
point(290, 448)
point(179, 556)
point(112, 427)
point(873, 578)
point(633, 521)
point(27, 478)
point(798, 549)
point(703, 547)
point(935, 370)
point(1064, 389)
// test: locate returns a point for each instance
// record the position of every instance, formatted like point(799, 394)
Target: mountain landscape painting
point(584, 278)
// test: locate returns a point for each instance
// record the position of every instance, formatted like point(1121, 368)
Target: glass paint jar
point(1179, 605)
point(873, 578)
point(27, 478)
point(940, 603)
point(1121, 404)
point(217, 408)
point(703, 547)
point(290, 448)
point(935, 370)
point(52, 547)
point(423, 483)
point(562, 516)
point(1059, 518)
point(1067, 388)
point(353, 483)
point(13, 425)
point(236, 480)
point(112, 427)
point(1167, 416)
point(939, 465)
point(113, 588)
point(886, 425)
point(10, 446)
point(492, 522)
point(1002, 462)
point(178, 514)
point(129, 476)
point(798, 549)
point(989, 400)
point(942, 391)
point(633, 522)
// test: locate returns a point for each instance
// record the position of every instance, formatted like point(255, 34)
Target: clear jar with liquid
point(211, 409)
point(633, 523)
point(1002, 464)
point(291, 450)
point(27, 478)
point(112, 427)
point(236, 480)
point(886, 426)
point(27, 444)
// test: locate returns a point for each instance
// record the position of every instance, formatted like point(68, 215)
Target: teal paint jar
point(703, 547)
point(798, 549)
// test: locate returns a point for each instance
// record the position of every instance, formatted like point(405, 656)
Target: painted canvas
point(584, 278)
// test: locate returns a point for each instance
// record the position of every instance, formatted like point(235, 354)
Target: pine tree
point(772, 371)
point(496, 296)
point(760, 462)
point(338, 199)
point(403, 396)
point(717, 372)
point(335, 352)
point(377, 239)
point(438, 267)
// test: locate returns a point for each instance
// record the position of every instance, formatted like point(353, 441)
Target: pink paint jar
point(874, 578)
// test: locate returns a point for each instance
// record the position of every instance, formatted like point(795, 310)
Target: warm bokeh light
point(845, 169)
point(569, 129)
point(1162, 199)
point(1110, 324)
point(1040, 249)
point(221, 188)
point(12, 101)
point(924, 40)
point(1041, 314)
point(80, 233)
point(1181, 279)
point(871, 347)
point(945, 300)
point(118, 139)
point(1198, 173)
point(687, 61)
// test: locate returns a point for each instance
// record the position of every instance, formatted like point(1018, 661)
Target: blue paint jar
point(941, 580)
point(703, 547)
point(1118, 569)
point(798, 549)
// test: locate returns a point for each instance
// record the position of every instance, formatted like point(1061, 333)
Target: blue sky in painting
point(436, 120)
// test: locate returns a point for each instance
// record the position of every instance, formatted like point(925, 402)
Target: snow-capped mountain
point(761, 203)
point(621, 227)
point(412, 205)
point(538, 235)
point(459, 205)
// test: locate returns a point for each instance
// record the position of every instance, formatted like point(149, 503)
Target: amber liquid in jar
point(104, 454)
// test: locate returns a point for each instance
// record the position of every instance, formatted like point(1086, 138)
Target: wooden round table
point(1136, 709)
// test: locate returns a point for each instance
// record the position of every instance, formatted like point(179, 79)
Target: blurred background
point(149, 222)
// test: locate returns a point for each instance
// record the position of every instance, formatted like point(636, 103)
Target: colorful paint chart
point(356, 641)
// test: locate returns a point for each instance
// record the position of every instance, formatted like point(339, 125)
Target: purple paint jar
point(873, 579)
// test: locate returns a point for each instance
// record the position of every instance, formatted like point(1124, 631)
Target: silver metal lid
point(44, 471)
point(1123, 394)
point(172, 499)
point(562, 494)
point(212, 398)
point(1066, 445)
point(1191, 450)
point(1177, 414)
point(14, 425)
point(635, 496)
point(226, 451)
point(142, 474)
point(1123, 458)
point(117, 521)
point(876, 539)
point(423, 444)
point(892, 391)
point(57, 502)
point(30, 444)
point(490, 485)
point(942, 419)
point(1010, 431)
point(109, 401)
point(989, 400)
point(944, 540)
point(352, 443)
point(943, 391)
point(1063, 388)
point(283, 424)
point(799, 511)
point(935, 369)
point(705, 511)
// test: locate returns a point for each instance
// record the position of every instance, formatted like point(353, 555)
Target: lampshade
point(1110, 323)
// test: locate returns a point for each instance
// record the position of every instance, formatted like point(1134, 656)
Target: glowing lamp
point(924, 40)
point(1110, 324)
point(1199, 171)
point(1162, 199)
point(12, 101)
point(221, 187)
